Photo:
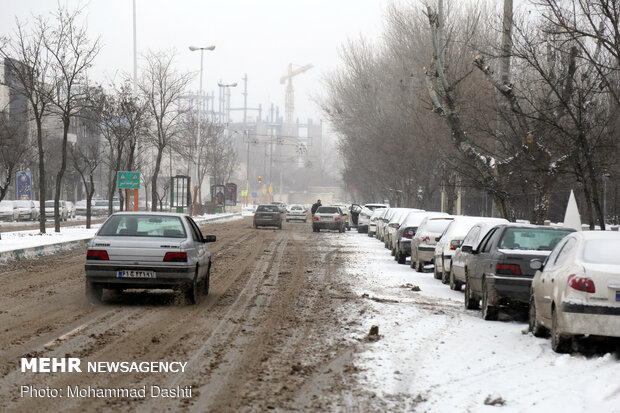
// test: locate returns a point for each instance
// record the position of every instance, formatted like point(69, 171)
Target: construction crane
point(289, 98)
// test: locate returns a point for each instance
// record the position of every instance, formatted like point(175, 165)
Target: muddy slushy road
point(278, 329)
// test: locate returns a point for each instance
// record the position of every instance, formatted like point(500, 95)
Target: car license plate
point(327, 219)
point(135, 274)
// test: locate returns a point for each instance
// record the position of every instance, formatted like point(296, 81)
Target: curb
point(51, 249)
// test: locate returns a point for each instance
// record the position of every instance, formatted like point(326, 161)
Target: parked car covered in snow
point(363, 218)
point(407, 231)
point(451, 239)
point(425, 239)
point(391, 229)
point(8, 210)
point(62, 209)
point(27, 209)
point(500, 273)
point(577, 290)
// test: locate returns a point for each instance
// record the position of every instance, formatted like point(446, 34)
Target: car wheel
point(94, 292)
point(454, 284)
point(534, 327)
point(489, 312)
point(419, 266)
point(400, 257)
point(445, 277)
point(559, 342)
point(280, 226)
point(471, 303)
point(393, 252)
point(412, 262)
point(192, 292)
point(436, 273)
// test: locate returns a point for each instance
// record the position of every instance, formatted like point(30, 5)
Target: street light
point(199, 117)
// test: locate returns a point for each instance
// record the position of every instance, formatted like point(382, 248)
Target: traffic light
point(260, 179)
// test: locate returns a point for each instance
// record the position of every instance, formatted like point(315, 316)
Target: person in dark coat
point(315, 206)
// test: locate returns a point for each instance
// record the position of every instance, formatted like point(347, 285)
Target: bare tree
point(25, 56)
point(71, 54)
point(86, 159)
point(162, 88)
point(14, 149)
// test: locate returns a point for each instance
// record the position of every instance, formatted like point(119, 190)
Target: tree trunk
point(42, 186)
point(154, 197)
point(60, 174)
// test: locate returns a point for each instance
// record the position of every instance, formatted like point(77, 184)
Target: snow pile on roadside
point(435, 356)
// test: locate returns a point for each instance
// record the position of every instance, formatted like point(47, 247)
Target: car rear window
point(267, 208)
point(436, 226)
point(602, 251)
point(541, 239)
point(328, 210)
point(143, 226)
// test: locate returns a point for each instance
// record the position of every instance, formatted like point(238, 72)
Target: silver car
point(153, 250)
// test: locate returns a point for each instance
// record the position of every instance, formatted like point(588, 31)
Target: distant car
point(451, 239)
point(425, 239)
point(280, 205)
point(364, 216)
point(152, 250)
point(296, 212)
point(578, 289)
point(391, 229)
point(62, 209)
point(345, 213)
point(71, 210)
point(27, 210)
point(328, 217)
point(80, 207)
point(500, 273)
point(268, 215)
point(9, 210)
point(99, 207)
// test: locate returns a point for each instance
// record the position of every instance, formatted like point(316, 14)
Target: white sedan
point(578, 290)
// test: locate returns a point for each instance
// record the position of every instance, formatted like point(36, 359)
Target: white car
point(391, 228)
point(374, 219)
point(363, 218)
point(425, 239)
point(296, 212)
point(451, 240)
point(62, 209)
point(407, 231)
point(9, 211)
point(578, 289)
point(27, 209)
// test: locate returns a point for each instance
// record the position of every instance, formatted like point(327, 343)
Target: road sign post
point(129, 180)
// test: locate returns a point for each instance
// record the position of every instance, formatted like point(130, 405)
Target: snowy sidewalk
point(31, 244)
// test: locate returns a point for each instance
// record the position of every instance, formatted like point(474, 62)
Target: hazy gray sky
point(257, 37)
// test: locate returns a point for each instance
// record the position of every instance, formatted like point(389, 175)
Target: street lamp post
point(198, 119)
point(226, 87)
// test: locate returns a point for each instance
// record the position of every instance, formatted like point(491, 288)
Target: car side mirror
point(209, 238)
point(437, 239)
point(467, 248)
point(536, 264)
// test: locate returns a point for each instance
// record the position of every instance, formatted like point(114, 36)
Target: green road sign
point(128, 180)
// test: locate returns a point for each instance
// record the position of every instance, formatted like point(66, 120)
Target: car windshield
point(296, 208)
point(49, 204)
point(267, 208)
point(602, 251)
point(143, 226)
point(23, 203)
point(327, 210)
point(541, 239)
point(101, 203)
point(436, 226)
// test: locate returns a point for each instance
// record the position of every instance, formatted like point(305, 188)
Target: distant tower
point(289, 96)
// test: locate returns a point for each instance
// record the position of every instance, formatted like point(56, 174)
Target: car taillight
point(454, 244)
point(508, 269)
point(425, 239)
point(584, 284)
point(175, 257)
point(337, 219)
point(316, 218)
point(409, 233)
point(101, 255)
